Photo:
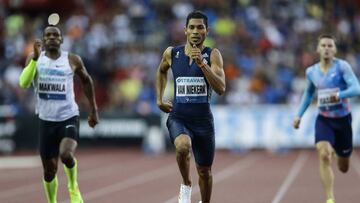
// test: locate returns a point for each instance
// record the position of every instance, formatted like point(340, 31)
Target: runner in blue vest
point(197, 70)
point(334, 82)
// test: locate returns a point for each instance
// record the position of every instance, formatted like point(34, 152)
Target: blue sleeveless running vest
point(192, 92)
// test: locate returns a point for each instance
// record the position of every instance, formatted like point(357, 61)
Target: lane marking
point(294, 172)
point(19, 162)
point(222, 175)
point(19, 190)
point(21, 174)
point(84, 175)
point(130, 182)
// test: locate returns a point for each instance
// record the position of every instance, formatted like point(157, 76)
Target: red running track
point(128, 176)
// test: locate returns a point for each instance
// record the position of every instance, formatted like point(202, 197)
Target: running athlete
point(197, 70)
point(51, 72)
point(335, 83)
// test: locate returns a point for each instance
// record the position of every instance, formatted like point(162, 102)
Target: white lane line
point(83, 175)
point(294, 172)
point(15, 175)
point(130, 182)
point(356, 163)
point(19, 162)
point(222, 175)
point(18, 174)
point(20, 190)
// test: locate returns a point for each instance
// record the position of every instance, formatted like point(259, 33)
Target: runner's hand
point(334, 98)
point(37, 49)
point(195, 53)
point(165, 106)
point(93, 119)
point(296, 122)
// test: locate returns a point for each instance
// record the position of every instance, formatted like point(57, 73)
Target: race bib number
point(191, 86)
point(52, 88)
point(324, 97)
point(191, 89)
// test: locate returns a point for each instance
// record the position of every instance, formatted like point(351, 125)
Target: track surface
point(116, 175)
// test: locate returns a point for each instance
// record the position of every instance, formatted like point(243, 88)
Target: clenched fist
point(37, 49)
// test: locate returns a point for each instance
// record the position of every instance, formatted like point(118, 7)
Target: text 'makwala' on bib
point(52, 84)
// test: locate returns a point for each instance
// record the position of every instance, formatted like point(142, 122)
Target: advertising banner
point(268, 126)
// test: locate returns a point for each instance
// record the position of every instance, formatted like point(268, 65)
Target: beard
point(52, 48)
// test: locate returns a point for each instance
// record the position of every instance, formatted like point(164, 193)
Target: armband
point(28, 74)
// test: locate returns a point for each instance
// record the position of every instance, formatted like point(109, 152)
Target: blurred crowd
point(266, 45)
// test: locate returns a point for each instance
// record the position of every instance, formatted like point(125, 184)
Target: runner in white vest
point(51, 72)
point(54, 88)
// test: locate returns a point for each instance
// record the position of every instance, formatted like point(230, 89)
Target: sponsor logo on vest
point(52, 72)
point(190, 79)
point(58, 66)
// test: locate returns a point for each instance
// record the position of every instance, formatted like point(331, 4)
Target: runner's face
point(52, 38)
point(196, 31)
point(326, 48)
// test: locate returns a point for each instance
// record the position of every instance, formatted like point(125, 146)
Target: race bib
point(52, 88)
point(324, 99)
point(191, 90)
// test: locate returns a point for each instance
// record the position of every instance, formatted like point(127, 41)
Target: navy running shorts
point(202, 134)
point(337, 131)
point(51, 133)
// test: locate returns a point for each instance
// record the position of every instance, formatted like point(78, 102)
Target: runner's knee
point(66, 157)
point(325, 156)
point(50, 171)
point(182, 145)
point(343, 166)
point(204, 172)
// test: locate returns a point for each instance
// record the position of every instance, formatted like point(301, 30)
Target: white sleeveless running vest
point(54, 88)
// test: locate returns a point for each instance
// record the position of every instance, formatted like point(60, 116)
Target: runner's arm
point(28, 73)
point(353, 88)
point(215, 73)
point(306, 98)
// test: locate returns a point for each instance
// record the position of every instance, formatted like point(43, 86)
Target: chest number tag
point(191, 87)
point(324, 99)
